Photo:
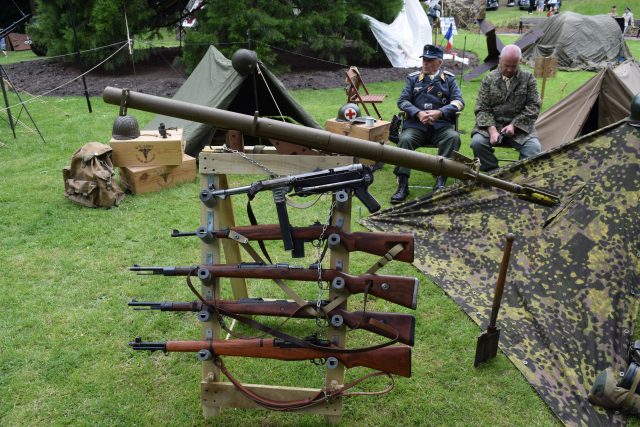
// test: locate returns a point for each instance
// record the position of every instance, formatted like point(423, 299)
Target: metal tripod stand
point(4, 77)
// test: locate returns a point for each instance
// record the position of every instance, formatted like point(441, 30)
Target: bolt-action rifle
point(397, 289)
point(394, 359)
point(373, 243)
point(389, 325)
point(354, 178)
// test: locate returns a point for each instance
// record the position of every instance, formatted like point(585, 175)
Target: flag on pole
point(449, 37)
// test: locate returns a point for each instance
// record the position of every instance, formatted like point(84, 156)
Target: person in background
point(628, 19)
point(430, 99)
point(614, 12)
point(540, 7)
point(507, 108)
point(3, 45)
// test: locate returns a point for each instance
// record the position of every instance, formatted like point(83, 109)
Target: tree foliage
point(315, 27)
point(98, 23)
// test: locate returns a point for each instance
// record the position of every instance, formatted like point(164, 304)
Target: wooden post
point(545, 67)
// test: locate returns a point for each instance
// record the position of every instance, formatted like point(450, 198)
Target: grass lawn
point(65, 323)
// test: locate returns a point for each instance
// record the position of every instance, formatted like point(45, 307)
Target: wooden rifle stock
point(392, 359)
point(373, 243)
point(400, 324)
point(396, 289)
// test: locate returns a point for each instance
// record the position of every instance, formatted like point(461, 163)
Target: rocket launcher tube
point(323, 140)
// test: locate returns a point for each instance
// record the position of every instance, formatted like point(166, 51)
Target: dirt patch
point(157, 76)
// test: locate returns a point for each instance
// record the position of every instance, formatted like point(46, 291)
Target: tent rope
point(259, 70)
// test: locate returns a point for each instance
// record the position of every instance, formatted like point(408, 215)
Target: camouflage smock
point(498, 106)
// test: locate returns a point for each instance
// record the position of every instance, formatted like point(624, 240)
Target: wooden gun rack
point(214, 166)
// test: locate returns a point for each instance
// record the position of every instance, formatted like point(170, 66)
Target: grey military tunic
point(421, 93)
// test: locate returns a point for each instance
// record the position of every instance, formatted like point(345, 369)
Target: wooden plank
point(339, 259)
point(210, 254)
point(230, 247)
point(226, 395)
point(230, 163)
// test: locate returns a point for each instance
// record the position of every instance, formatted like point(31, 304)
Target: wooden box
point(145, 179)
point(379, 132)
point(149, 149)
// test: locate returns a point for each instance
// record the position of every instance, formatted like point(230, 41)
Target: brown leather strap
point(322, 396)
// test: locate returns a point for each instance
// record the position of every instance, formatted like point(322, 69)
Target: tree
point(316, 27)
point(98, 23)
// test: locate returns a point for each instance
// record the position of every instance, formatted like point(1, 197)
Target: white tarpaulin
point(403, 40)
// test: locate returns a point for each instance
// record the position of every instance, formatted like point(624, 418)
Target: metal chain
point(320, 320)
point(271, 173)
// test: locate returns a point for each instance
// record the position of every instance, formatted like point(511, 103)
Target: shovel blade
point(487, 346)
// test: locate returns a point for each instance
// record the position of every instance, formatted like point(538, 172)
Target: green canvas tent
point(214, 83)
point(599, 102)
point(570, 301)
point(579, 42)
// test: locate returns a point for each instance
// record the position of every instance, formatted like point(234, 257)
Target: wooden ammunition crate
point(378, 133)
point(149, 149)
point(145, 179)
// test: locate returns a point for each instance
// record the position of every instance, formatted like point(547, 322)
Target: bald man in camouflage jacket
point(506, 110)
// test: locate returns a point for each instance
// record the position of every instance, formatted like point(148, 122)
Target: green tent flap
point(214, 83)
point(570, 300)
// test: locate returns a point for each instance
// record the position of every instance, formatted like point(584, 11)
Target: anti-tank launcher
point(464, 170)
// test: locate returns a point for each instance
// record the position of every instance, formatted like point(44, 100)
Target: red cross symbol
point(350, 113)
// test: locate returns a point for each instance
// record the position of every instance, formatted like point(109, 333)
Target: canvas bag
point(89, 180)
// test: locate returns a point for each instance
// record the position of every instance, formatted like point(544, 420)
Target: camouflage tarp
point(569, 304)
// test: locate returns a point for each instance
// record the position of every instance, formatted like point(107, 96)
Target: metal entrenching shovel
point(487, 346)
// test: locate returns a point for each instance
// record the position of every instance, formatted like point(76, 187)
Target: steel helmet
point(125, 126)
point(244, 61)
point(348, 112)
point(634, 111)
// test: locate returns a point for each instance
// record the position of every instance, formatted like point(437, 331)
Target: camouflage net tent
point(599, 102)
point(214, 83)
point(579, 42)
point(570, 301)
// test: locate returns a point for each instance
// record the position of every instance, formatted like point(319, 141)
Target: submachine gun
point(462, 168)
point(354, 178)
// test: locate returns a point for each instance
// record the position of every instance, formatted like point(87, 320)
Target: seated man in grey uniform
point(507, 108)
point(431, 98)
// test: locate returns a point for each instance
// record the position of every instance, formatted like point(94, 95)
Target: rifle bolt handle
point(333, 240)
point(332, 362)
point(385, 286)
point(204, 355)
point(336, 320)
point(338, 283)
point(204, 316)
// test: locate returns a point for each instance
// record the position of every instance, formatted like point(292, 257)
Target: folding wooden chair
point(354, 85)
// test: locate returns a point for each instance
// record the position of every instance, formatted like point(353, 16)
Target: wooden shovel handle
point(502, 276)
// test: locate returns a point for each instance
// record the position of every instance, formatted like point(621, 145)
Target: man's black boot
point(403, 190)
point(440, 182)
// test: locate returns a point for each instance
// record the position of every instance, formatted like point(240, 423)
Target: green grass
point(65, 323)
point(509, 16)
